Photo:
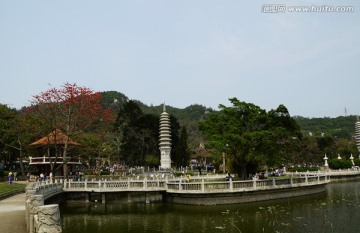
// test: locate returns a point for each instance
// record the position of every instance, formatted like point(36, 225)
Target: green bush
point(340, 164)
point(357, 162)
point(1, 175)
point(152, 160)
point(105, 173)
point(181, 174)
point(302, 169)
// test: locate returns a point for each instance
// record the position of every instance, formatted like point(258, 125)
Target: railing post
point(145, 183)
point(273, 182)
point(291, 180)
point(306, 179)
point(254, 183)
point(128, 183)
point(231, 185)
point(203, 185)
point(180, 187)
point(318, 179)
point(99, 184)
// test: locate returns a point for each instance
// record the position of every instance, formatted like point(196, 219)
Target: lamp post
point(326, 162)
point(352, 160)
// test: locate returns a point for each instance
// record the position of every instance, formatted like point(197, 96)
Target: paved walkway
point(12, 214)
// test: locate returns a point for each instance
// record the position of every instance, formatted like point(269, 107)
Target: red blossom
point(71, 107)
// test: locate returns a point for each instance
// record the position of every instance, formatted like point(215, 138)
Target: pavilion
point(46, 148)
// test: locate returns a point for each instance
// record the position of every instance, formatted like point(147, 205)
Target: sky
point(185, 52)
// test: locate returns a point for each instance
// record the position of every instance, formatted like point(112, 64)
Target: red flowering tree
point(70, 109)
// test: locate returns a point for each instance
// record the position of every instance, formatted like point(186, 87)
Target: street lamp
point(326, 162)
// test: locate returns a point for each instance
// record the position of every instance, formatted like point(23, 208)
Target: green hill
point(340, 127)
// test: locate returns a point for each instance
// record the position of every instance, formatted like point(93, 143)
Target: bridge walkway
point(12, 214)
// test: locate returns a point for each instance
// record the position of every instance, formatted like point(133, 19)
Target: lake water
point(336, 210)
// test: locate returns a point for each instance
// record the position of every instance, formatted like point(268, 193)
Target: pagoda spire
point(357, 134)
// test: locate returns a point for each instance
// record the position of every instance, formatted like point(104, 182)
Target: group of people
point(10, 177)
point(42, 177)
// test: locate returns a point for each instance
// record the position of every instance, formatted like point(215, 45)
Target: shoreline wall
point(42, 218)
point(243, 197)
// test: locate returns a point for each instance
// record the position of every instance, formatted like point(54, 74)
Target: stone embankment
point(42, 218)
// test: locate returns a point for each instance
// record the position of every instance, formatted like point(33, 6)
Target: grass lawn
point(5, 187)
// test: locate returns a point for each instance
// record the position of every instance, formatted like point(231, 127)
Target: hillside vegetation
point(339, 127)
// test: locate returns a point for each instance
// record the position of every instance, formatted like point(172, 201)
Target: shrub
point(181, 174)
point(357, 162)
point(152, 160)
point(340, 164)
point(302, 169)
point(1, 175)
point(105, 173)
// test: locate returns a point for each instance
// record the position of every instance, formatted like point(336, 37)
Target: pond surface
point(336, 210)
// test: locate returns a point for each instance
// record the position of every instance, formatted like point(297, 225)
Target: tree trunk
point(21, 160)
point(244, 173)
point(65, 168)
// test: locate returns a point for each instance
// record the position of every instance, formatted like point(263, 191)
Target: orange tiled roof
point(55, 137)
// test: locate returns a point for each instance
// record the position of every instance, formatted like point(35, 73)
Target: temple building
point(45, 148)
point(165, 140)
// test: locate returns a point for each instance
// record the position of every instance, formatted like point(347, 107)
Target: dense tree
point(175, 128)
point(345, 147)
point(96, 148)
point(16, 130)
point(250, 136)
point(139, 134)
point(340, 127)
point(180, 153)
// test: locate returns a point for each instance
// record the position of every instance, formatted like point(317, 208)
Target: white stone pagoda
point(357, 134)
point(165, 140)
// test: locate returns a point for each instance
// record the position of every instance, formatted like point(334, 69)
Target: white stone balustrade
point(197, 185)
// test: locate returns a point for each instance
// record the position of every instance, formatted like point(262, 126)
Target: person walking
point(10, 178)
point(42, 177)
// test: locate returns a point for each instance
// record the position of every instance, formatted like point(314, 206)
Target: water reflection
point(337, 210)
